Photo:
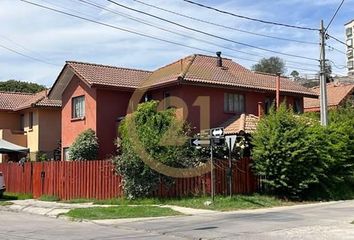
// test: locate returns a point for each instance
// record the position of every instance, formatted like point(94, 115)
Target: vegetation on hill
point(19, 86)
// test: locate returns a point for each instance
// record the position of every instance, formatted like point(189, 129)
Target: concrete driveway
point(314, 221)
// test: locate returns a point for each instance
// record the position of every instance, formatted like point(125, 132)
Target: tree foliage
point(154, 129)
point(19, 86)
point(85, 146)
point(299, 158)
point(271, 65)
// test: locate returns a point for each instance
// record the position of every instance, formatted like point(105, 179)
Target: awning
point(7, 147)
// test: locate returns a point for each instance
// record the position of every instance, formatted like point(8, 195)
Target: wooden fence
point(97, 179)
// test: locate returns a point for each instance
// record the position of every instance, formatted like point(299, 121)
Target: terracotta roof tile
point(244, 122)
point(336, 94)
point(96, 74)
point(15, 101)
point(11, 100)
point(202, 69)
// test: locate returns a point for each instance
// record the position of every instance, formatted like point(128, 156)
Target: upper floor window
point(30, 120)
point(349, 53)
point(349, 31)
point(78, 107)
point(234, 103)
point(350, 42)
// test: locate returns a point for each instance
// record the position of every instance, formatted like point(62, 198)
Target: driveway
point(314, 221)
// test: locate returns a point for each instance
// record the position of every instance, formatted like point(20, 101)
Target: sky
point(35, 42)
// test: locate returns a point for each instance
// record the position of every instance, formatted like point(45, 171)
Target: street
point(313, 221)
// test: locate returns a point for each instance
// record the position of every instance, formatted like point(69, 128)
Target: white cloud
point(57, 38)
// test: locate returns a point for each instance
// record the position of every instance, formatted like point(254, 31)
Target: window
point(349, 42)
point(66, 154)
point(350, 53)
point(350, 64)
point(297, 105)
point(30, 120)
point(78, 107)
point(22, 122)
point(269, 104)
point(234, 103)
point(349, 31)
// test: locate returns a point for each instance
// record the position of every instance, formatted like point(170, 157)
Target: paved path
point(313, 222)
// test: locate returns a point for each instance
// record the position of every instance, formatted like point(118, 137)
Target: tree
point(85, 146)
point(18, 86)
point(301, 159)
point(153, 128)
point(295, 74)
point(271, 65)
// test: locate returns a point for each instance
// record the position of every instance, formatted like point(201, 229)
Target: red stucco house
point(97, 96)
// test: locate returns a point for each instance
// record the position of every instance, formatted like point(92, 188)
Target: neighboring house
point(96, 96)
point(31, 121)
point(337, 94)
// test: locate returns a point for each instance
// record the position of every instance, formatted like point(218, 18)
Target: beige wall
point(49, 129)
point(32, 133)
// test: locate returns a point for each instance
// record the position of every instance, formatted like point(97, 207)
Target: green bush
point(85, 146)
point(299, 158)
point(154, 129)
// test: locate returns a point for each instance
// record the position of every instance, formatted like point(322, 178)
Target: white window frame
point(350, 31)
point(78, 107)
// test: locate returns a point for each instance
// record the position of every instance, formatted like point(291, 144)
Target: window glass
point(234, 103)
point(78, 107)
point(349, 31)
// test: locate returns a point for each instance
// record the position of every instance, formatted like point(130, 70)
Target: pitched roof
point(104, 75)
point(337, 93)
point(11, 100)
point(15, 101)
point(203, 69)
point(244, 122)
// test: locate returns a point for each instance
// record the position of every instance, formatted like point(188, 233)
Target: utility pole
point(323, 84)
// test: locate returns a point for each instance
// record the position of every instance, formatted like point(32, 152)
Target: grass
point(221, 203)
point(96, 213)
point(49, 198)
point(15, 196)
point(4, 203)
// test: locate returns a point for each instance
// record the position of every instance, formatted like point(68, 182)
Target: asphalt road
point(323, 221)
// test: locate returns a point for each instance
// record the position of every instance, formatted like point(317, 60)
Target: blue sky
point(55, 38)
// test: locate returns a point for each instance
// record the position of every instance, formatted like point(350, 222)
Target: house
point(212, 90)
point(31, 121)
point(337, 94)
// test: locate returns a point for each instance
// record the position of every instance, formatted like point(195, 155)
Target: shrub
point(85, 146)
point(154, 129)
point(301, 159)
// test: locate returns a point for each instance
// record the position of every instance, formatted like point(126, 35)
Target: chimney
point(219, 59)
point(277, 90)
point(260, 109)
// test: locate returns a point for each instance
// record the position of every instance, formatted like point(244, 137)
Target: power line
point(337, 66)
point(224, 26)
point(329, 24)
point(164, 29)
point(183, 35)
point(335, 49)
point(28, 56)
point(132, 31)
point(336, 39)
point(249, 18)
point(211, 35)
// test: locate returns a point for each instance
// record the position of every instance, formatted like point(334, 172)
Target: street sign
point(217, 132)
point(195, 142)
point(218, 141)
point(230, 141)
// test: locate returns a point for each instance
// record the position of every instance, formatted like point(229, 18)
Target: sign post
point(215, 138)
point(230, 141)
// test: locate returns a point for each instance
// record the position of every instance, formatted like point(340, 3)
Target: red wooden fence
point(97, 179)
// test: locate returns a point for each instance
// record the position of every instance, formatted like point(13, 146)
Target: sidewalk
point(55, 209)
